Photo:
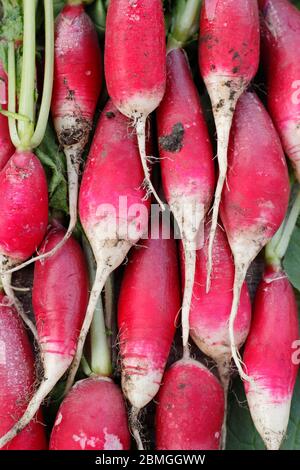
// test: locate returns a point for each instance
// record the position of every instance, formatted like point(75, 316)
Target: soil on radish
point(174, 141)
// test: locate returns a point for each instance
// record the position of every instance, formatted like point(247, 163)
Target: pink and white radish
point(135, 64)
point(112, 205)
point(255, 200)
point(190, 408)
point(91, 417)
point(280, 33)
point(186, 164)
point(228, 60)
point(17, 377)
point(148, 306)
point(59, 297)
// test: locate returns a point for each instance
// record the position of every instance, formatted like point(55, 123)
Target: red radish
point(112, 205)
point(23, 214)
point(16, 380)
point(60, 295)
point(255, 201)
point(186, 164)
point(210, 311)
point(135, 72)
point(228, 60)
point(280, 33)
point(6, 146)
point(268, 356)
point(146, 320)
point(91, 417)
point(190, 408)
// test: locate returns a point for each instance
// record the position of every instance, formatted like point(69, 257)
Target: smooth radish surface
point(210, 311)
point(59, 297)
point(17, 377)
point(268, 356)
point(91, 417)
point(255, 199)
point(228, 60)
point(135, 63)
point(280, 33)
point(6, 146)
point(23, 215)
point(112, 205)
point(190, 408)
point(186, 163)
point(149, 303)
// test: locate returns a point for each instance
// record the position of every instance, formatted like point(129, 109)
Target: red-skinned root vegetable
point(280, 33)
point(148, 306)
point(268, 356)
point(112, 205)
point(91, 417)
point(23, 215)
point(190, 408)
point(6, 146)
point(59, 297)
point(186, 164)
point(17, 378)
point(135, 57)
point(228, 60)
point(255, 201)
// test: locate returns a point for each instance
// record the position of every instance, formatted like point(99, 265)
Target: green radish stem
point(186, 23)
point(12, 94)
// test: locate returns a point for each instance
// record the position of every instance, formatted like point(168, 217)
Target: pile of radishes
point(139, 294)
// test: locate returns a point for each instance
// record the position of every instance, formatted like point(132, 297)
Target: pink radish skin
point(135, 64)
point(91, 417)
point(112, 205)
point(190, 408)
point(16, 380)
point(268, 356)
point(23, 215)
point(280, 33)
point(147, 321)
point(6, 146)
point(255, 200)
point(186, 163)
point(59, 297)
point(228, 60)
point(210, 311)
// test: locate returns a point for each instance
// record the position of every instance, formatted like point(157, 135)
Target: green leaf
point(291, 262)
point(241, 433)
point(53, 161)
point(11, 24)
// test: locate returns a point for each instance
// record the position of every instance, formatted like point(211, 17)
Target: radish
point(16, 380)
point(112, 205)
point(135, 72)
point(186, 164)
point(280, 33)
point(190, 408)
point(91, 417)
point(228, 60)
point(60, 295)
point(255, 200)
point(23, 188)
point(268, 356)
point(6, 146)
point(148, 305)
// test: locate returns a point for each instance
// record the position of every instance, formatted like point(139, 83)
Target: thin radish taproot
point(146, 320)
point(280, 33)
point(6, 146)
point(17, 378)
point(136, 73)
point(190, 408)
point(91, 417)
point(112, 205)
point(255, 201)
point(59, 297)
point(228, 60)
point(186, 164)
